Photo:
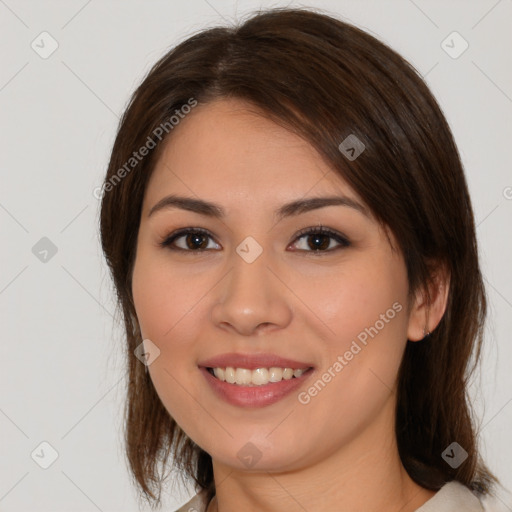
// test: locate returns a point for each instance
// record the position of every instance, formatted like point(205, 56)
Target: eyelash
point(316, 230)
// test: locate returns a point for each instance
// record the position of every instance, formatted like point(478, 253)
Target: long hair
point(324, 79)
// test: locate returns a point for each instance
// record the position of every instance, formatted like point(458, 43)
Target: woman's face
point(336, 304)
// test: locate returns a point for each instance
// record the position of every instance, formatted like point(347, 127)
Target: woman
point(288, 226)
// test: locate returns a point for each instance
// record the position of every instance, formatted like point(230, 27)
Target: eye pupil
point(318, 241)
point(194, 241)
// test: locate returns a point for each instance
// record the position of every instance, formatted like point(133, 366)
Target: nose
point(251, 298)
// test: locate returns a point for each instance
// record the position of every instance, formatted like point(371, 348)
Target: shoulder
point(454, 496)
point(196, 504)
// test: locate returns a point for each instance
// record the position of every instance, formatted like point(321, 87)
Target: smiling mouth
point(257, 377)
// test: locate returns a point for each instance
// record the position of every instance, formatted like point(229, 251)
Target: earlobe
point(429, 306)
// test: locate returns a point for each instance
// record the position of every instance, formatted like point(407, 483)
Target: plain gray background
point(61, 373)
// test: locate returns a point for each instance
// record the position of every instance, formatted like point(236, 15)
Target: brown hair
point(324, 79)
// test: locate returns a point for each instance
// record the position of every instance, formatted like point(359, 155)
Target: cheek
point(163, 295)
point(365, 310)
point(350, 301)
point(167, 308)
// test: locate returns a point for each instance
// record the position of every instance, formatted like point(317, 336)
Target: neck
point(365, 474)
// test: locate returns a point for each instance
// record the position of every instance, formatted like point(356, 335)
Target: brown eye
point(191, 240)
point(319, 239)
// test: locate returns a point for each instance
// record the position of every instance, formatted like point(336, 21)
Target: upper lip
point(252, 361)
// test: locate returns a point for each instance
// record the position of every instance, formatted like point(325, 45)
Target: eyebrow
point(293, 208)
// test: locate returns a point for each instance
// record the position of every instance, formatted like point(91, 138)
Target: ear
point(429, 304)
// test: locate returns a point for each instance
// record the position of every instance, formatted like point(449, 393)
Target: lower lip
point(254, 396)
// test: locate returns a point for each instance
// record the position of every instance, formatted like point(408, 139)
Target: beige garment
point(452, 497)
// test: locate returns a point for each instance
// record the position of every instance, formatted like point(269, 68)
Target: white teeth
point(229, 375)
point(287, 373)
point(258, 377)
point(275, 374)
point(219, 373)
point(243, 376)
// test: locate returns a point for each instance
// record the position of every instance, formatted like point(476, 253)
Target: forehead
point(228, 149)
